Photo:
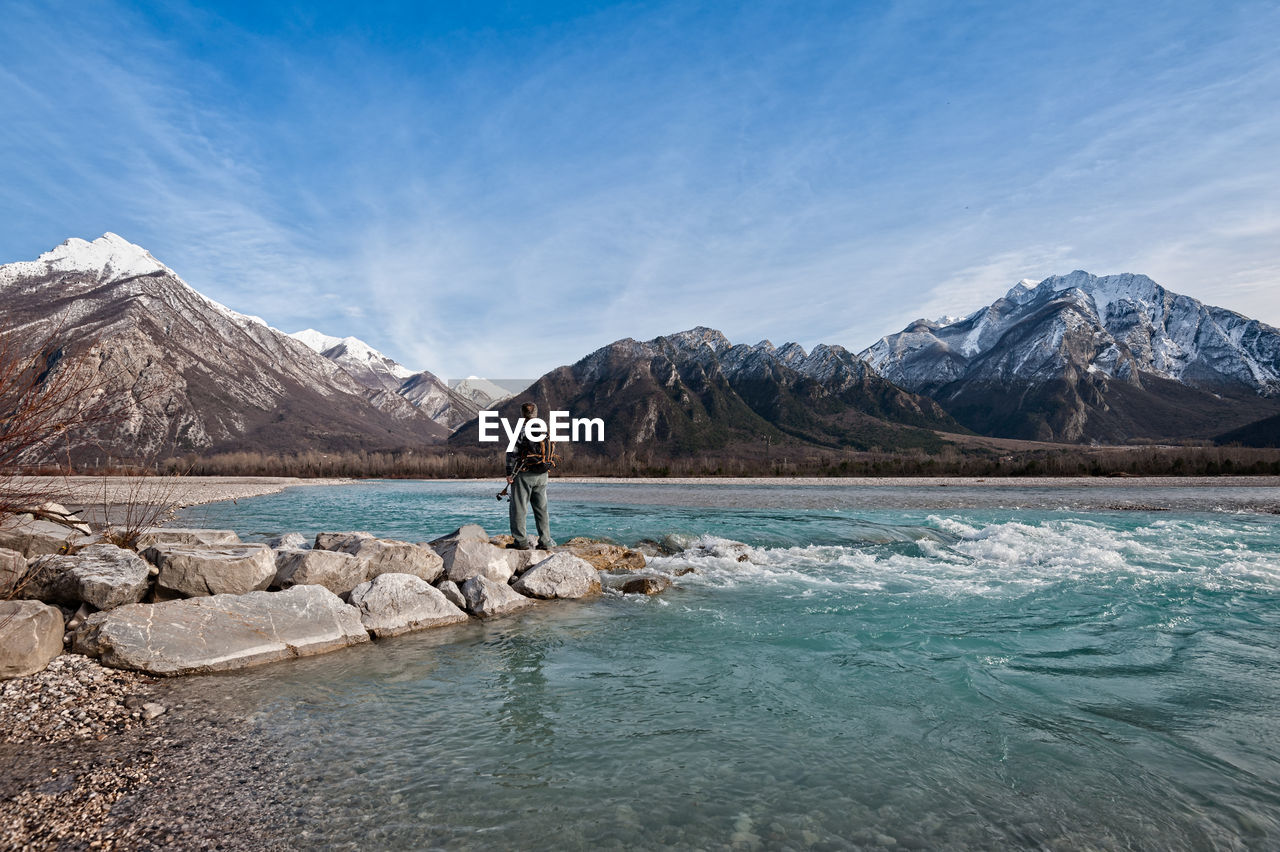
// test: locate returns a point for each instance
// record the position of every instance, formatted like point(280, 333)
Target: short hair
point(529, 409)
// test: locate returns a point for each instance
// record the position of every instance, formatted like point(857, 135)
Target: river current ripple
point(1031, 671)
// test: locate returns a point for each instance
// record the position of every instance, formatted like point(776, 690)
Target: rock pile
point(199, 600)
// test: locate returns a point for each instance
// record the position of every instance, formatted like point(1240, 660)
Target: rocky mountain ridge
point(695, 391)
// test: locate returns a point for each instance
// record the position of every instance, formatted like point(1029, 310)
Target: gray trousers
point(530, 489)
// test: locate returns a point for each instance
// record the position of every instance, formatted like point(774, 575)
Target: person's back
point(527, 468)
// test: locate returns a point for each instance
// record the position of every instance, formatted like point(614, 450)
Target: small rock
point(452, 593)
point(645, 585)
point(289, 541)
point(151, 710)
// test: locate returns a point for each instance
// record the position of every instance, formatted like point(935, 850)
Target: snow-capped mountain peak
point(1113, 327)
point(482, 392)
point(317, 341)
point(109, 258)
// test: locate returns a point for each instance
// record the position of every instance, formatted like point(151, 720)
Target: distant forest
point(440, 463)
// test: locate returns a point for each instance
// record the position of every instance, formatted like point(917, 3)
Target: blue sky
point(501, 188)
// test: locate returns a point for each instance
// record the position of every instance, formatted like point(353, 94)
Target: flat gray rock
point(220, 633)
point(337, 572)
point(471, 557)
point(452, 593)
point(185, 536)
point(30, 637)
point(195, 571)
point(101, 575)
point(487, 598)
point(391, 604)
point(387, 556)
point(337, 540)
point(32, 537)
point(562, 576)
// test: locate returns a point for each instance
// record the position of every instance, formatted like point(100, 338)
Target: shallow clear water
point(932, 676)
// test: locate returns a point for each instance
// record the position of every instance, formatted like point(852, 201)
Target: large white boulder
point(194, 571)
point(391, 604)
point(487, 597)
point(221, 632)
point(101, 575)
point(337, 572)
point(30, 637)
point(562, 576)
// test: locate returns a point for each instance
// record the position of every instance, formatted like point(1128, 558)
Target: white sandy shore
point(179, 491)
point(92, 491)
point(955, 481)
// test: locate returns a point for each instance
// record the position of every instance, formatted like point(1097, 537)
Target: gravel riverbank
point(95, 758)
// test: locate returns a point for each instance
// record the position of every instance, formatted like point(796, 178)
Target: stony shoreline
point(86, 765)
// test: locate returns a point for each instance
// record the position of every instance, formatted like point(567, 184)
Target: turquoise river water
point(910, 667)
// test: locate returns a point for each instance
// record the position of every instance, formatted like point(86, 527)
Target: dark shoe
point(519, 547)
point(542, 546)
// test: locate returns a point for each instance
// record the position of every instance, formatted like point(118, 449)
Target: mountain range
point(1075, 358)
point(695, 392)
point(187, 373)
point(1086, 358)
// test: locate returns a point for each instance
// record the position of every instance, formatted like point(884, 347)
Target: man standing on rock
point(527, 470)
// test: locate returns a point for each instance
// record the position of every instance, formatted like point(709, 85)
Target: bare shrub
point(131, 505)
